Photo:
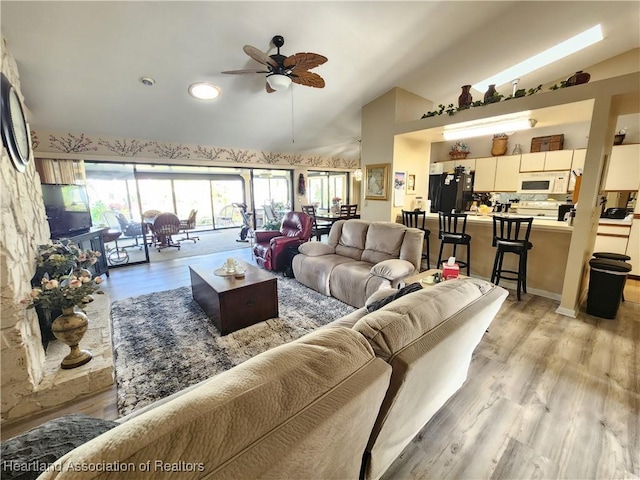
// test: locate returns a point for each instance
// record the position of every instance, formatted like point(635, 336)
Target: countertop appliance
point(614, 213)
point(543, 182)
point(539, 208)
point(450, 191)
point(563, 210)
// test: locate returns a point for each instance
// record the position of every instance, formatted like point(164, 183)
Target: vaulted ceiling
point(80, 62)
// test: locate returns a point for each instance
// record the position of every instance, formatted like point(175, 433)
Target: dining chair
point(317, 228)
point(348, 211)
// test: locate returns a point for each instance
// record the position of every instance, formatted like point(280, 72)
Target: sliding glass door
point(121, 193)
point(114, 201)
point(323, 187)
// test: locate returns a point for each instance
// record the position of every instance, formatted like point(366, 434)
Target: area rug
point(164, 342)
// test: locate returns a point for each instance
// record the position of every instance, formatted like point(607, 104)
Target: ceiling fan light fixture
point(204, 91)
point(278, 81)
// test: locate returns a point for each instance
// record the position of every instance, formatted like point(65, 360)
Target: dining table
point(332, 217)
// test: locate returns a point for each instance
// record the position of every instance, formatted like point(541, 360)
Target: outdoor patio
point(210, 241)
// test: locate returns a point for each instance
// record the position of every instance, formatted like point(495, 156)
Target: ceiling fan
point(281, 70)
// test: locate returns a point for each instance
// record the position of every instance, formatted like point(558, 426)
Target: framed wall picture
point(411, 184)
point(399, 181)
point(377, 181)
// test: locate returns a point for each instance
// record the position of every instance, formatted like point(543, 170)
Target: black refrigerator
point(449, 191)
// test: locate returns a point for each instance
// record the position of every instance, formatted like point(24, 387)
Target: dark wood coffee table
point(234, 303)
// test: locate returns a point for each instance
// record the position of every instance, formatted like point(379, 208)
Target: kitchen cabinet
point(507, 173)
point(633, 247)
point(578, 160)
point(610, 244)
point(623, 172)
point(468, 163)
point(436, 168)
point(448, 166)
point(557, 160)
point(612, 238)
point(484, 179)
point(554, 160)
point(532, 162)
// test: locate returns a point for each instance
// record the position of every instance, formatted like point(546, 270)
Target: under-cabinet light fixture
point(553, 54)
point(478, 128)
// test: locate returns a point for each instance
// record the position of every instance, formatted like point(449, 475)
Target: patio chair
point(225, 217)
point(164, 226)
point(129, 229)
point(189, 224)
point(269, 214)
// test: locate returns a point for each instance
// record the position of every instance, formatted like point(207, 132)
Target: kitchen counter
point(539, 223)
point(618, 222)
point(547, 259)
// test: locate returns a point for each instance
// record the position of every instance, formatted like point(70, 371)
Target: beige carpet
point(211, 241)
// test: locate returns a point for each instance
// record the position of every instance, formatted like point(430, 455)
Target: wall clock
point(15, 130)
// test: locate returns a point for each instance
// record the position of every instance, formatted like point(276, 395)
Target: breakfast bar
point(547, 259)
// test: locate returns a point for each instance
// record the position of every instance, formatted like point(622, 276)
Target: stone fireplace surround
point(30, 382)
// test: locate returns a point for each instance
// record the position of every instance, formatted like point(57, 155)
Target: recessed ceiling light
point(147, 81)
point(561, 50)
point(204, 91)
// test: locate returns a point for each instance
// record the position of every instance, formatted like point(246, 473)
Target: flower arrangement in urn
point(459, 150)
point(336, 204)
point(59, 259)
point(62, 283)
point(62, 293)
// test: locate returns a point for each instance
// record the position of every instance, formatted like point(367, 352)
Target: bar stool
point(511, 235)
point(416, 219)
point(452, 228)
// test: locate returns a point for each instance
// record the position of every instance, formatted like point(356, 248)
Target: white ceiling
point(80, 62)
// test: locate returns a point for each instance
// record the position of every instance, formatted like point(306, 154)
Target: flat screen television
point(67, 209)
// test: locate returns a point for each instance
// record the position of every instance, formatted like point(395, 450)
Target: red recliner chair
point(270, 248)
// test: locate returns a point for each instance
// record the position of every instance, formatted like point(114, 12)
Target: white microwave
point(543, 182)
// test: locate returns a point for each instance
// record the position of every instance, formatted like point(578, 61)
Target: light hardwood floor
point(547, 396)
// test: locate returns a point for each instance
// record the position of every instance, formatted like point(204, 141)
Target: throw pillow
point(412, 287)
point(28, 455)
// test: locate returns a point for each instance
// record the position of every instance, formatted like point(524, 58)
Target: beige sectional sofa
point(359, 258)
point(341, 402)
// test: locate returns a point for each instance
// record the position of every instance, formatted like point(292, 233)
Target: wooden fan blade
point(243, 72)
point(258, 56)
point(304, 61)
point(268, 88)
point(309, 79)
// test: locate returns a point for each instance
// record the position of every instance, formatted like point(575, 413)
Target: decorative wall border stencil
point(208, 153)
point(72, 144)
point(81, 144)
point(124, 149)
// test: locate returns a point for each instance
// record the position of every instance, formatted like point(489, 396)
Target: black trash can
point(612, 256)
point(606, 282)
